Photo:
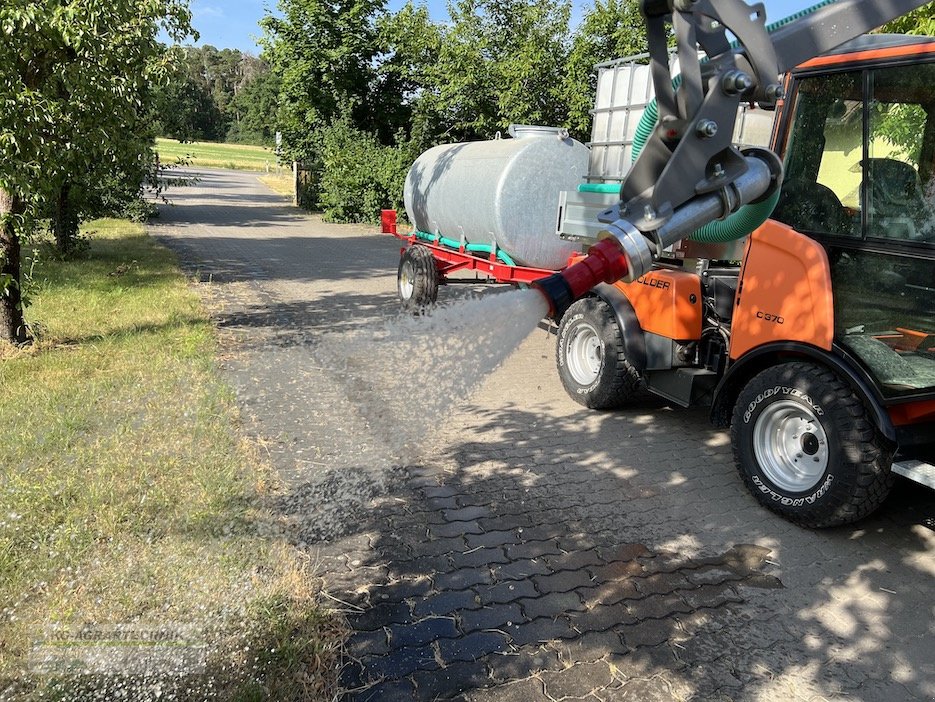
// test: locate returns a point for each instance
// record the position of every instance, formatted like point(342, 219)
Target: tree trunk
point(12, 324)
point(64, 220)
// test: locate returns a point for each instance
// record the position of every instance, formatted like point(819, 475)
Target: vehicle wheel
point(591, 357)
point(806, 449)
point(417, 278)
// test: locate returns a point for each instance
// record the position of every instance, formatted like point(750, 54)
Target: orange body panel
point(667, 303)
point(868, 55)
point(785, 292)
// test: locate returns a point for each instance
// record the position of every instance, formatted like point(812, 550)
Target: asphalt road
point(539, 551)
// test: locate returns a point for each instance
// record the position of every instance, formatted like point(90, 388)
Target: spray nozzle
point(605, 263)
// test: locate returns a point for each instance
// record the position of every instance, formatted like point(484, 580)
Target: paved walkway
point(542, 551)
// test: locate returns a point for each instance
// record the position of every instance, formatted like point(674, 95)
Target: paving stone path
point(540, 551)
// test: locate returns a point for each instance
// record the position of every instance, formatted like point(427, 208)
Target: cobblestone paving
point(541, 551)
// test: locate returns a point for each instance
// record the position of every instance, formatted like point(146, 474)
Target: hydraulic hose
point(470, 248)
point(747, 218)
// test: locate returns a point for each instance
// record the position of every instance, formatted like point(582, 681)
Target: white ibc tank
point(505, 190)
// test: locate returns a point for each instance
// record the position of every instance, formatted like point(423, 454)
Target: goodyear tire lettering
point(780, 390)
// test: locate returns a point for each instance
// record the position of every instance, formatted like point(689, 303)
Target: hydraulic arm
point(689, 174)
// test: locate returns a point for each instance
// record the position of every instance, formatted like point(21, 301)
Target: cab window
point(822, 186)
point(899, 160)
point(837, 183)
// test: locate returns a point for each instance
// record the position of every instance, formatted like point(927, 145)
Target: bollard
point(388, 221)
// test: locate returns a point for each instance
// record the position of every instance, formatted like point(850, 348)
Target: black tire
point(417, 278)
point(806, 447)
point(602, 378)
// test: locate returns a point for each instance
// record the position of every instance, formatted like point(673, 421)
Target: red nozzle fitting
point(605, 263)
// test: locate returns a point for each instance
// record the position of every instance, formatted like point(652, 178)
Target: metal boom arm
point(689, 173)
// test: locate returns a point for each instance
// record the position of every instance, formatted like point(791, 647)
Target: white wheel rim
point(406, 280)
point(584, 353)
point(790, 446)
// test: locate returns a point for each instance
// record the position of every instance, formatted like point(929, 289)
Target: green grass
point(127, 493)
point(213, 155)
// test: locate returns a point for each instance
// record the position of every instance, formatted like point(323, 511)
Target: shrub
point(358, 175)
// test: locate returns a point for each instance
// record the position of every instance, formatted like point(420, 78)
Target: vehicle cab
point(857, 135)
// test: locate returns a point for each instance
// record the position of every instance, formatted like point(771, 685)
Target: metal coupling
point(706, 128)
point(774, 92)
point(635, 247)
point(736, 82)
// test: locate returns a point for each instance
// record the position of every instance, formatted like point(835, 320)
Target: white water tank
point(504, 191)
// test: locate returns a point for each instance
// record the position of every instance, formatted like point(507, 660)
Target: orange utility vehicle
point(815, 341)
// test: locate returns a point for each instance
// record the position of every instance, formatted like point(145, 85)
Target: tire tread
point(871, 481)
point(625, 381)
point(426, 281)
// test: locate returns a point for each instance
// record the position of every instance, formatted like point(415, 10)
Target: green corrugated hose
point(748, 217)
point(470, 248)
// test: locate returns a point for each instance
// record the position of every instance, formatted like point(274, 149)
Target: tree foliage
point(374, 85)
point(254, 108)
point(359, 175)
point(74, 78)
point(409, 43)
point(921, 21)
point(211, 93)
point(499, 63)
point(610, 29)
point(186, 110)
point(323, 54)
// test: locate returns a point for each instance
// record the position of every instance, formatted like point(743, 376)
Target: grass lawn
point(280, 184)
point(127, 496)
point(213, 155)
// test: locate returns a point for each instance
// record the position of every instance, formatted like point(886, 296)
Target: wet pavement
point(538, 551)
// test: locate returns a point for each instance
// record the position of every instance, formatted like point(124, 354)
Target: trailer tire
point(591, 356)
point(806, 447)
point(417, 278)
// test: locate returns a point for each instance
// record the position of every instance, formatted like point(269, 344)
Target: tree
point(529, 39)
point(611, 29)
point(201, 100)
point(72, 77)
point(218, 95)
point(323, 54)
point(254, 108)
point(499, 62)
point(409, 46)
point(186, 109)
point(921, 21)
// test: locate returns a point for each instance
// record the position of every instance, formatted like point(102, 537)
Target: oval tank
point(505, 190)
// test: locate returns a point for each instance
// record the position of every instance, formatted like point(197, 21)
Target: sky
point(232, 24)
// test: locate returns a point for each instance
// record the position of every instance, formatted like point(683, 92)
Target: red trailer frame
point(449, 260)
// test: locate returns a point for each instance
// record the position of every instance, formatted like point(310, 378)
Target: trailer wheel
point(806, 447)
point(417, 278)
point(591, 356)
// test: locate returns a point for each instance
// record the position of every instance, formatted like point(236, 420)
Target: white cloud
point(200, 11)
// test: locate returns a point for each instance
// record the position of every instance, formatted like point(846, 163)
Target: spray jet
point(689, 174)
